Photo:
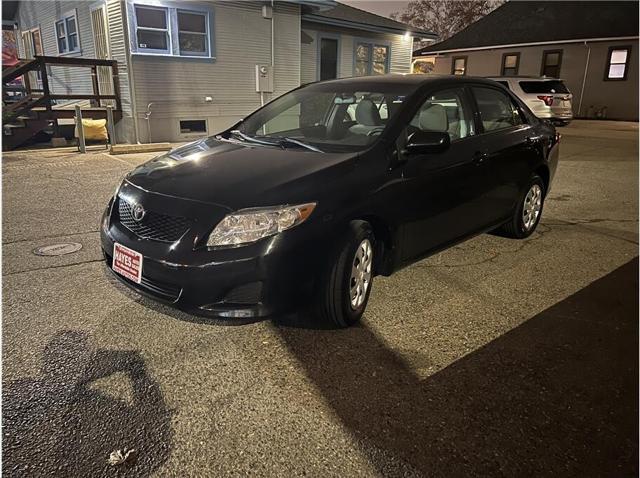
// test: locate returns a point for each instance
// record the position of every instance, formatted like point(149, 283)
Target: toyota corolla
point(302, 203)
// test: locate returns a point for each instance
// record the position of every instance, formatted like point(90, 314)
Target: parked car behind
point(303, 202)
point(548, 98)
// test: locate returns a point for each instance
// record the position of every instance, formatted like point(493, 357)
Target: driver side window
point(445, 111)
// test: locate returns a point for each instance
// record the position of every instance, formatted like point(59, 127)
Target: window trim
point(372, 44)
point(626, 64)
point(63, 20)
point(172, 8)
point(544, 62)
point(517, 67)
point(329, 36)
point(167, 30)
point(207, 33)
point(453, 64)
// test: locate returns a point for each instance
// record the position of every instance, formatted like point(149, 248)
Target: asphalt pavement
point(494, 358)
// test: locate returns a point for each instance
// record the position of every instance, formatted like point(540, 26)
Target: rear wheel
point(344, 293)
point(527, 214)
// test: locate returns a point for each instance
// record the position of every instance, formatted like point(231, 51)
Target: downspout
point(584, 78)
point(273, 53)
point(132, 86)
point(273, 41)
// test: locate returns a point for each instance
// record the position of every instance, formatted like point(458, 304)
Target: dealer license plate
point(127, 262)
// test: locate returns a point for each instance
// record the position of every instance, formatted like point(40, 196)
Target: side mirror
point(427, 142)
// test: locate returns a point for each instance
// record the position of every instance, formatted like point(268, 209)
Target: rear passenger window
point(445, 111)
point(497, 110)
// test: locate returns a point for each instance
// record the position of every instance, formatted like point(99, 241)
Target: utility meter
point(264, 79)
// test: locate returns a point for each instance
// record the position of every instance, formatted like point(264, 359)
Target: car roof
point(414, 80)
point(524, 77)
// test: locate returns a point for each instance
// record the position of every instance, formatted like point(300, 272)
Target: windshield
point(549, 86)
point(322, 117)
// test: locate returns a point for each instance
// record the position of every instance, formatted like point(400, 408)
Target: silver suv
point(548, 98)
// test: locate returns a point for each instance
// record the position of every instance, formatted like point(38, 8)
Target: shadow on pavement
point(67, 424)
point(555, 396)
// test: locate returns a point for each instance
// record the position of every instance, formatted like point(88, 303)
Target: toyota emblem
point(138, 212)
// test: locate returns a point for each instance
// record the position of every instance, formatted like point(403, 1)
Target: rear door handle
point(479, 157)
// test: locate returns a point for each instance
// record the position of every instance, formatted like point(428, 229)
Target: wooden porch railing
point(43, 97)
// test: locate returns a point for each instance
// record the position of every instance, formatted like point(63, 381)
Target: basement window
point(193, 126)
point(164, 29)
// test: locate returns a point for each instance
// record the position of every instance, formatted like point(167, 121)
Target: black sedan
point(302, 203)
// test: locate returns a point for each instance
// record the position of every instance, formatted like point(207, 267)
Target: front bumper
point(272, 276)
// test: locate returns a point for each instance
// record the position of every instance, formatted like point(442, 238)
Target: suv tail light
point(548, 100)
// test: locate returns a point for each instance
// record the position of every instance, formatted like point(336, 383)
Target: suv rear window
point(543, 87)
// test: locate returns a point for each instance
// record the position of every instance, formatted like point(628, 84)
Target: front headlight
point(249, 225)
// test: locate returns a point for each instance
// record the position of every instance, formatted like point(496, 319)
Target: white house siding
point(44, 14)
point(619, 97)
point(74, 80)
point(118, 52)
point(400, 59)
point(177, 86)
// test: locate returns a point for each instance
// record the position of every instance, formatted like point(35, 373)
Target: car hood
point(236, 175)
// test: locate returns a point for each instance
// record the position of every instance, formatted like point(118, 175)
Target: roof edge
point(424, 51)
point(312, 18)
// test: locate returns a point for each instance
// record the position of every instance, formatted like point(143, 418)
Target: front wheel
point(527, 214)
point(344, 293)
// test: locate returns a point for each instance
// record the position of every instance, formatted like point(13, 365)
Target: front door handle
point(479, 157)
point(532, 140)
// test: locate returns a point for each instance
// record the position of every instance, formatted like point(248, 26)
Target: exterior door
point(510, 149)
point(101, 45)
point(328, 58)
point(32, 46)
point(444, 193)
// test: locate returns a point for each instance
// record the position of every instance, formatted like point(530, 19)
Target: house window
point(193, 126)
point(551, 62)
point(459, 65)
point(371, 59)
point(510, 64)
point(165, 30)
point(67, 34)
point(152, 29)
point(618, 63)
point(193, 37)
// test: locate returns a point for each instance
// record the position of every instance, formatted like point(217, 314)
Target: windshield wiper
point(285, 140)
point(252, 139)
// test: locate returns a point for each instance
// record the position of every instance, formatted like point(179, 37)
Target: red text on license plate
point(127, 262)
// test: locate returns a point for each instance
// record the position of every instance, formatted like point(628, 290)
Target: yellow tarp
point(94, 130)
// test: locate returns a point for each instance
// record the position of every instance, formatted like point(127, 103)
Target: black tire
point(515, 228)
point(333, 305)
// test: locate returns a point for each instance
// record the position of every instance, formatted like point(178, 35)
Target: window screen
point(192, 33)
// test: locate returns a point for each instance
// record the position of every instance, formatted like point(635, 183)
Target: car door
point(444, 193)
point(510, 148)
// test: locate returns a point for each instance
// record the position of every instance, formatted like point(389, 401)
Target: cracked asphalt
point(493, 358)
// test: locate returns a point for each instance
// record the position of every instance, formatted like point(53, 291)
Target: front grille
point(162, 290)
point(155, 226)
